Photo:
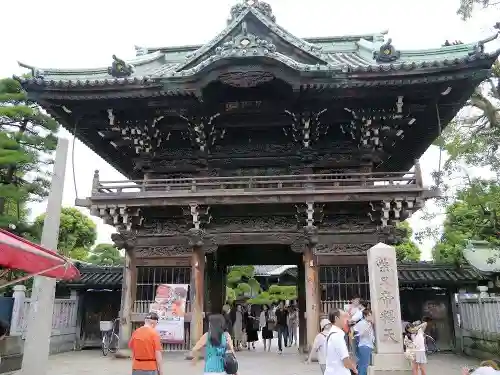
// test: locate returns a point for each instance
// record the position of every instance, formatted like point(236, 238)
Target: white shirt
point(358, 315)
point(319, 346)
point(365, 331)
point(485, 371)
point(336, 352)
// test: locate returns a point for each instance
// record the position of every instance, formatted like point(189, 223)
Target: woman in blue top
point(216, 342)
point(364, 328)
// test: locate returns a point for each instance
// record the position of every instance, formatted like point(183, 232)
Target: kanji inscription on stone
point(383, 264)
point(386, 298)
point(388, 317)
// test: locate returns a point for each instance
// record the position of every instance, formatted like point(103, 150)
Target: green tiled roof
point(330, 56)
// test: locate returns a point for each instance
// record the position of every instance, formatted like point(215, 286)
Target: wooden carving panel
point(252, 224)
point(162, 251)
point(347, 222)
point(162, 227)
point(342, 249)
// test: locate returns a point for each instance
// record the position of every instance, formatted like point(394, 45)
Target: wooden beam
point(277, 238)
point(242, 196)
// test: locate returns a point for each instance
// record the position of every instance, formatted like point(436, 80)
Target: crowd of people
point(343, 346)
point(347, 339)
point(245, 321)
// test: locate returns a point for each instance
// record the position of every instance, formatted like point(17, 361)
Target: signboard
point(170, 305)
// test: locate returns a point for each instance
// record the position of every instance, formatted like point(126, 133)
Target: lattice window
point(148, 279)
point(341, 283)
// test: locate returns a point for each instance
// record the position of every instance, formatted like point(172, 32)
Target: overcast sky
point(84, 34)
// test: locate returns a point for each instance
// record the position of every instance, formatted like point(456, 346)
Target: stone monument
point(388, 356)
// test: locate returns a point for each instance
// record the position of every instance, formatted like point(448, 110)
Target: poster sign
point(170, 305)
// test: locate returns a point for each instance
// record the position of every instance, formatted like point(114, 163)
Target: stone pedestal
point(386, 308)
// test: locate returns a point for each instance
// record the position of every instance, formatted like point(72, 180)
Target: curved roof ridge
point(137, 61)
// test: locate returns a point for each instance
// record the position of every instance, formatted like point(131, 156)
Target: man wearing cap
point(319, 344)
point(146, 348)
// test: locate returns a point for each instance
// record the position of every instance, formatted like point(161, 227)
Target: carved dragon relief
point(347, 222)
point(306, 127)
point(162, 251)
point(379, 128)
point(143, 136)
point(252, 224)
point(342, 249)
point(162, 227)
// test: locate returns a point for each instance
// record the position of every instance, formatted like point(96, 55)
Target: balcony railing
point(373, 180)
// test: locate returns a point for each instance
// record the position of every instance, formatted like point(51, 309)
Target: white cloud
point(62, 34)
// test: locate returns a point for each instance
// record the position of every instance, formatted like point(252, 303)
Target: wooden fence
point(64, 319)
point(478, 325)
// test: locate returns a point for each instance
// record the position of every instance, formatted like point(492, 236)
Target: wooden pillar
point(218, 292)
point(312, 308)
point(210, 281)
point(197, 293)
point(128, 287)
point(301, 295)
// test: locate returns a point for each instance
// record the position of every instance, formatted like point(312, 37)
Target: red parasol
point(20, 254)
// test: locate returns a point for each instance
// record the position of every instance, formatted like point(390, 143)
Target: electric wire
point(440, 146)
point(73, 158)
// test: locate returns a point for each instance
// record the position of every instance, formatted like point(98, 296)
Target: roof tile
point(409, 273)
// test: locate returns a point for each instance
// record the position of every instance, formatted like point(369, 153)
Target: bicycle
point(110, 338)
point(430, 344)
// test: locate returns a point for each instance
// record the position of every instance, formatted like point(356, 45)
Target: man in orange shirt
point(146, 348)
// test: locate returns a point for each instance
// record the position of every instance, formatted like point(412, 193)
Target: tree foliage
point(105, 254)
point(275, 293)
point(473, 216)
point(77, 233)
point(472, 139)
point(467, 6)
point(407, 250)
point(240, 282)
point(27, 139)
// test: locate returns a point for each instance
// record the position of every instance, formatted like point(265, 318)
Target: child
point(418, 339)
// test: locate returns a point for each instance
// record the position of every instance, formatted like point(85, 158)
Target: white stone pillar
point(16, 321)
point(386, 308)
point(39, 326)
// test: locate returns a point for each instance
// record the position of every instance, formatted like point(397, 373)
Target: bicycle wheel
point(113, 344)
point(105, 344)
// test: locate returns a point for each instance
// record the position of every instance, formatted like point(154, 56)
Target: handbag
point(230, 363)
point(255, 324)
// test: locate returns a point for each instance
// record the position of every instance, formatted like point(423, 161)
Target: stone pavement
point(91, 362)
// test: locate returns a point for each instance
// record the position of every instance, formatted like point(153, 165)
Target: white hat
point(324, 323)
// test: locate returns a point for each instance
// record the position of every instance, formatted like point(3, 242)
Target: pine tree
point(27, 140)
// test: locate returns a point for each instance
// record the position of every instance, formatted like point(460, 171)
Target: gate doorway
point(219, 263)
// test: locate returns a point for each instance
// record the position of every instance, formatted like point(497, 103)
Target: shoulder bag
point(230, 363)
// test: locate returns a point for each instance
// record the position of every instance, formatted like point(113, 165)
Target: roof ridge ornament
point(387, 53)
point(263, 7)
point(119, 68)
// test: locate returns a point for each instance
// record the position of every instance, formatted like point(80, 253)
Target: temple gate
point(259, 146)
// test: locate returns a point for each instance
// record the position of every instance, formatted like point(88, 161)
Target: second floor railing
point(260, 183)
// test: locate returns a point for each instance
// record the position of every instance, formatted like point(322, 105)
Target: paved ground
point(251, 363)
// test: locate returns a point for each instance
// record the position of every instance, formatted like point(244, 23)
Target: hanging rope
point(73, 158)
point(440, 147)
